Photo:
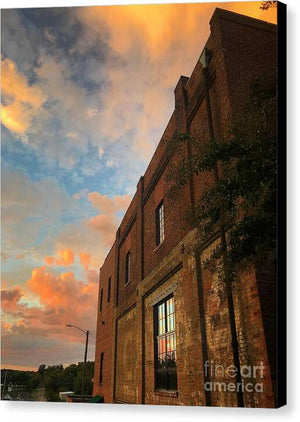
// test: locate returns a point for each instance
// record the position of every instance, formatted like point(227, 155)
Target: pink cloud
point(106, 225)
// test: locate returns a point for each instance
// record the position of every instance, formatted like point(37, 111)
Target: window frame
point(127, 267)
point(160, 223)
point(165, 335)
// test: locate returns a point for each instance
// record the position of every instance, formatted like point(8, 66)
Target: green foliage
point(89, 373)
point(53, 378)
point(243, 198)
point(265, 5)
point(16, 377)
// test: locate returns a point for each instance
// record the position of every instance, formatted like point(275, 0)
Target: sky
point(86, 95)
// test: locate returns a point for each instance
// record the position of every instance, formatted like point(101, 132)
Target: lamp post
point(86, 332)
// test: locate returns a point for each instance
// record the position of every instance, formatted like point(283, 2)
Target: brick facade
point(241, 48)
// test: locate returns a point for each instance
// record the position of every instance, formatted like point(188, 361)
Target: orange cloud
point(49, 260)
point(157, 25)
point(108, 205)
point(85, 260)
point(57, 291)
point(65, 257)
point(21, 101)
point(62, 299)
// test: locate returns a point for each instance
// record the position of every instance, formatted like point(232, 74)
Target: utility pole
point(87, 333)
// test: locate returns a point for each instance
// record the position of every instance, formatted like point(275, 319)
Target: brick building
point(158, 302)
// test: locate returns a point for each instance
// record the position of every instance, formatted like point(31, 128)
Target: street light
point(86, 332)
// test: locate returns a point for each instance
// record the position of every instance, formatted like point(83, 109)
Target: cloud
point(100, 152)
point(112, 90)
point(49, 260)
point(108, 205)
point(61, 292)
point(21, 101)
point(63, 299)
point(10, 298)
point(151, 46)
point(106, 225)
point(65, 257)
point(31, 211)
point(85, 259)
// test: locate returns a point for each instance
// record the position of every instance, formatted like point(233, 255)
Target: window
point(160, 224)
point(165, 345)
point(101, 368)
point(127, 268)
point(108, 289)
point(101, 300)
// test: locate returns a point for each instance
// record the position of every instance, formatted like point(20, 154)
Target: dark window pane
point(161, 380)
point(101, 368)
point(108, 290)
point(172, 381)
point(127, 268)
point(101, 299)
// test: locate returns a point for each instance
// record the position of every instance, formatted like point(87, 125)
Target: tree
point(88, 387)
point(265, 5)
point(41, 369)
point(53, 378)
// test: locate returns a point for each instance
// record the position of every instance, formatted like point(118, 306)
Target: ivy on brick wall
point(243, 199)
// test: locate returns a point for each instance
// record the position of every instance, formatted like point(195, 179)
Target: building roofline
point(242, 19)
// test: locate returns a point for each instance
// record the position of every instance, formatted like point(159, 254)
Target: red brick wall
point(250, 330)
point(104, 334)
point(130, 244)
point(175, 225)
point(250, 50)
point(126, 358)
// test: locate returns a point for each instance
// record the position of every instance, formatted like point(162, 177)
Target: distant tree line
point(52, 379)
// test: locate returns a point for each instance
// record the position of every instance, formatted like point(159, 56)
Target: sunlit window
point(165, 345)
